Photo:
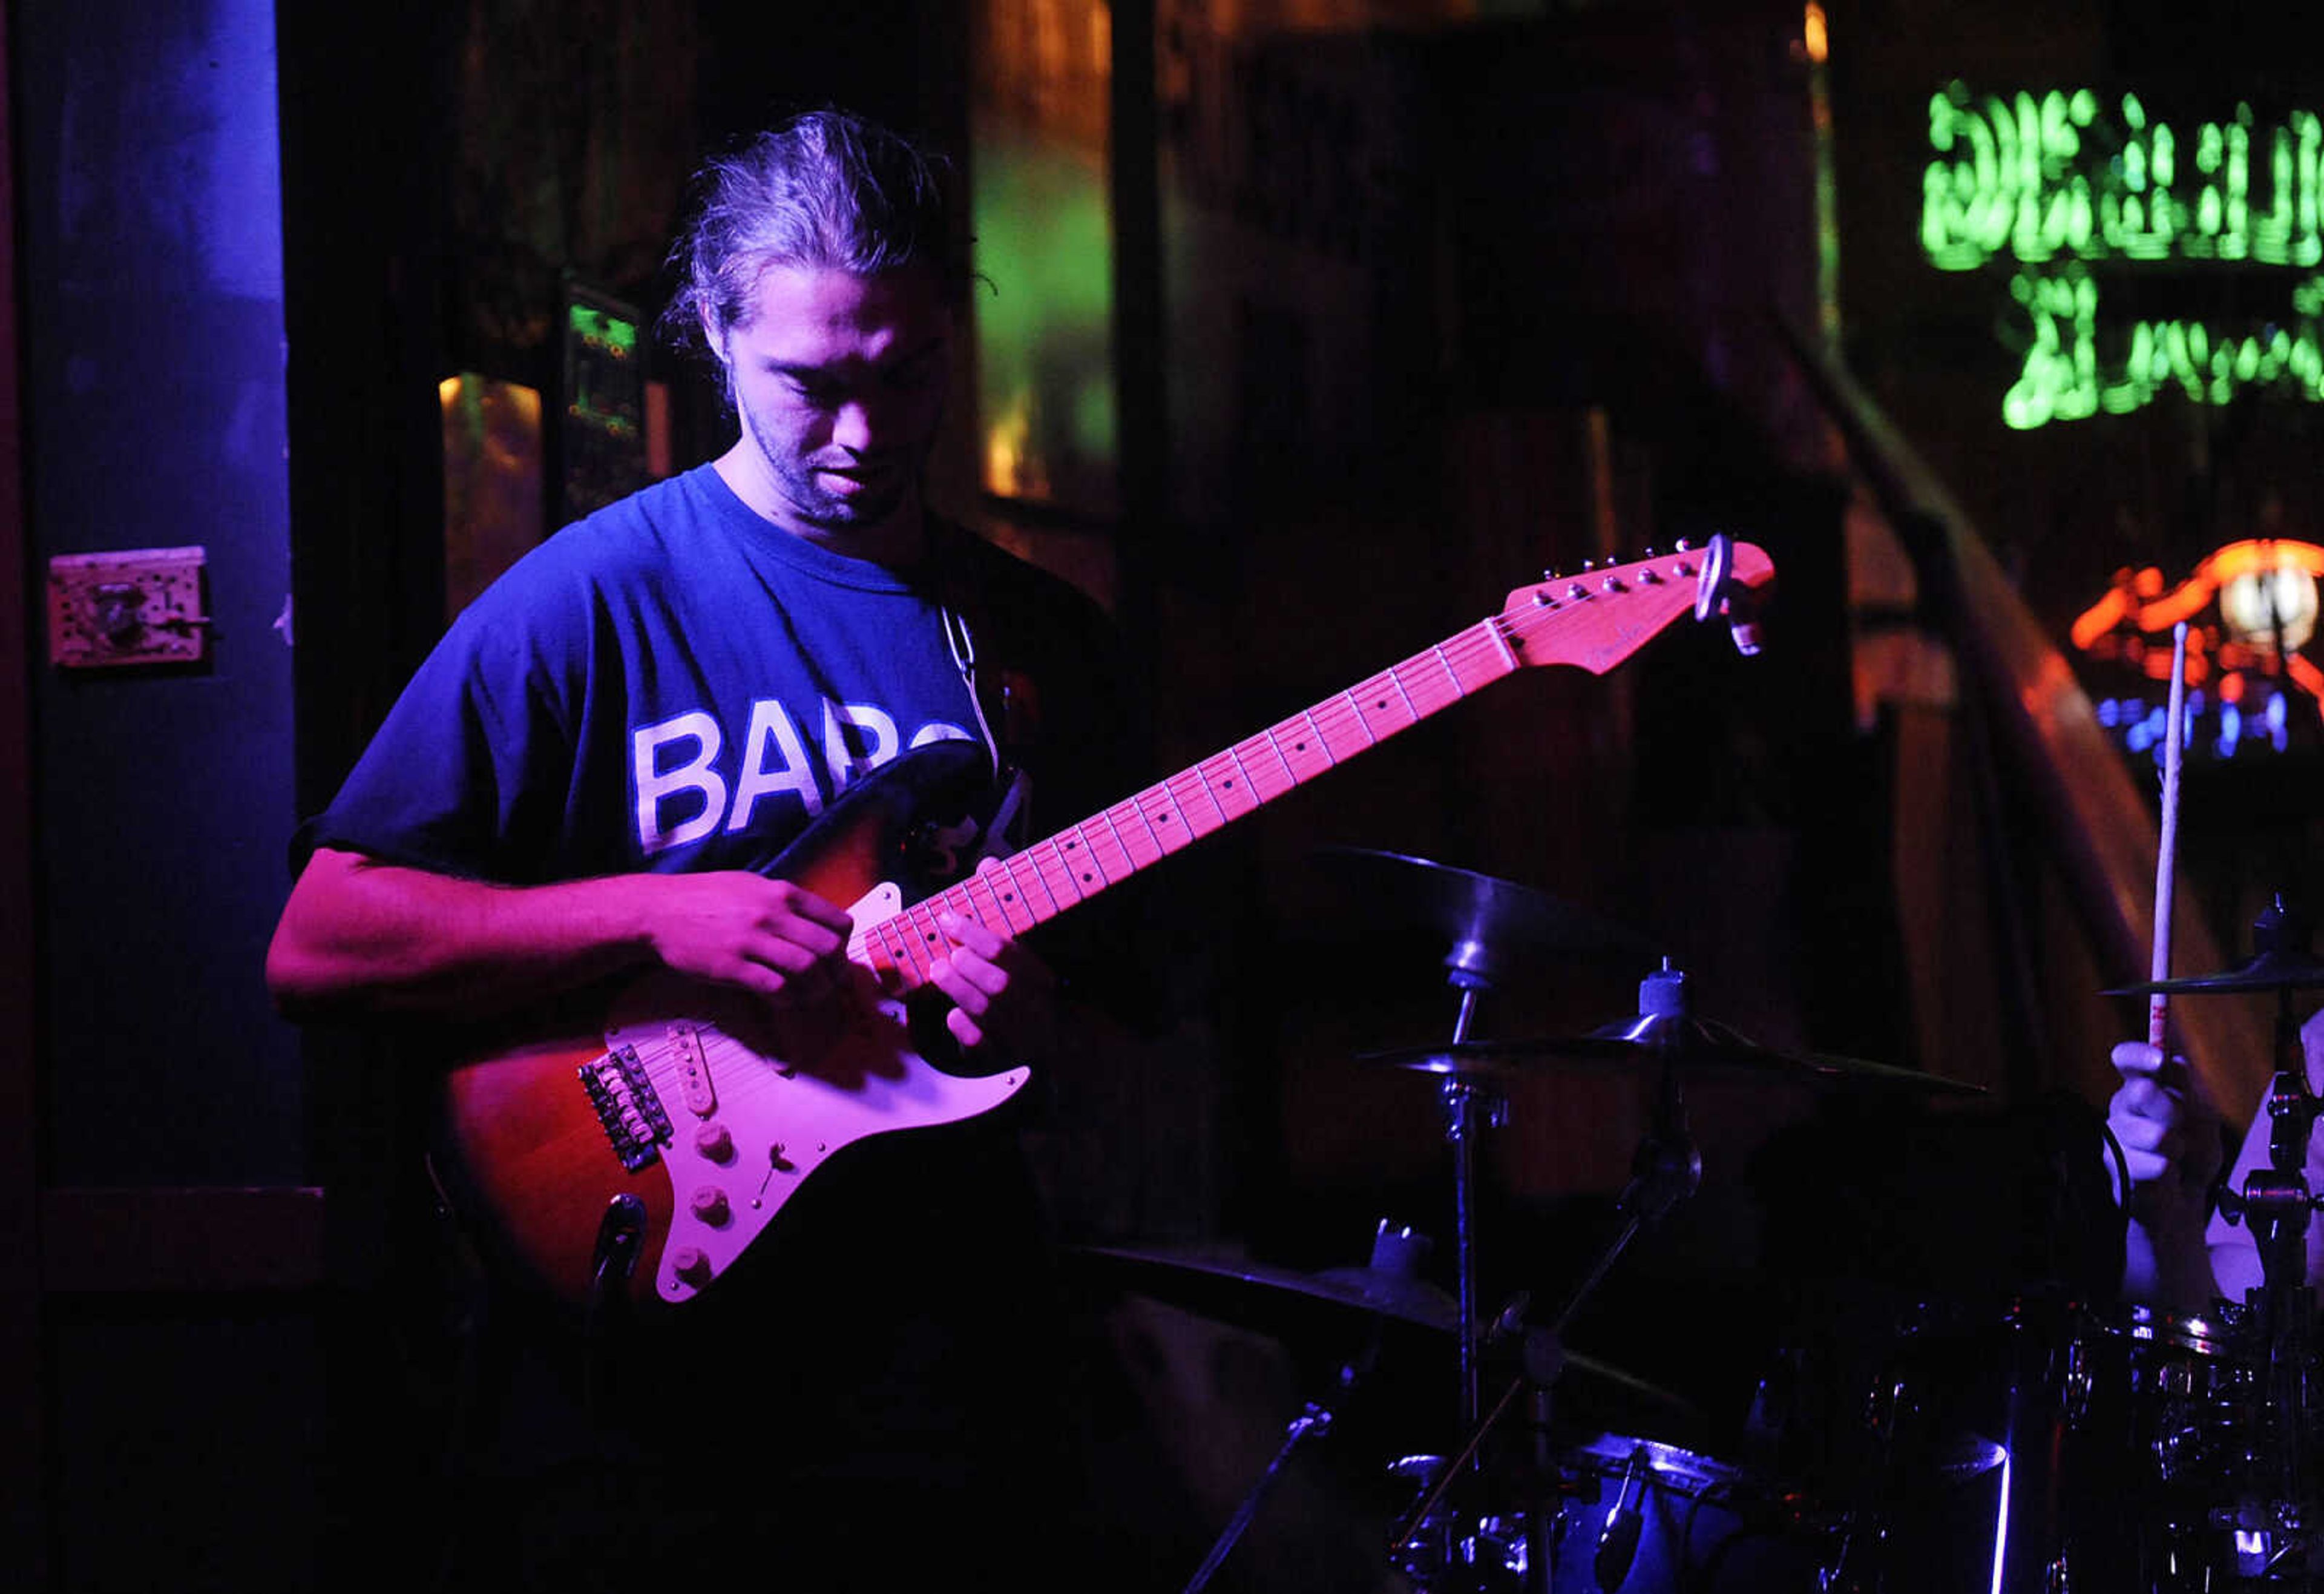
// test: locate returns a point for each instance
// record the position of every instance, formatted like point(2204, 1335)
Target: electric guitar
point(644, 1153)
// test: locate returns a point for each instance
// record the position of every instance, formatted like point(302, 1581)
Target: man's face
point(840, 381)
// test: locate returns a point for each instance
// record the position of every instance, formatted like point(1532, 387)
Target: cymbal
point(2271, 970)
point(1191, 1276)
point(1488, 929)
point(1694, 1045)
point(2281, 961)
point(1362, 1289)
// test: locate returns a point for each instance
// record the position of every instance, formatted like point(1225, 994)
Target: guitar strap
point(1008, 702)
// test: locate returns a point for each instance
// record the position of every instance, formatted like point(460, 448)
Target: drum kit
point(2048, 1440)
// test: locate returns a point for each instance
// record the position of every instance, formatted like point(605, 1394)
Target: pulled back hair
point(826, 188)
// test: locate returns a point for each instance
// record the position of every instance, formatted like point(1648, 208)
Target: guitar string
point(1488, 640)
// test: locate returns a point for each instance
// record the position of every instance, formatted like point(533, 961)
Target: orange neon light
point(2099, 618)
point(2140, 598)
point(2123, 624)
point(2306, 673)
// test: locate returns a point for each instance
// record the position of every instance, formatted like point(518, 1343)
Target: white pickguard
point(748, 1129)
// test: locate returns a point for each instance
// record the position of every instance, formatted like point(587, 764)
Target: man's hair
point(826, 188)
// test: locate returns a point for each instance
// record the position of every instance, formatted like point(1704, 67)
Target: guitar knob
point(714, 1141)
point(709, 1204)
point(691, 1265)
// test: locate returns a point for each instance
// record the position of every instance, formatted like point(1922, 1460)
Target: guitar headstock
point(1598, 617)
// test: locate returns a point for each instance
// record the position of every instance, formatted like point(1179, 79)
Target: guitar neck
point(1037, 883)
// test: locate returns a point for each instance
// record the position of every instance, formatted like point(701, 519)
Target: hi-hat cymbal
point(1239, 1290)
point(1482, 927)
point(1694, 1045)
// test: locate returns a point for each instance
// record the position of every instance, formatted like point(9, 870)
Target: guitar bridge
point(627, 1107)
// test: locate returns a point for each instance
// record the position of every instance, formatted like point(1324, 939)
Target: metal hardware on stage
point(1482, 932)
point(1309, 1305)
point(2267, 1514)
point(2026, 1440)
point(1489, 930)
point(1695, 1046)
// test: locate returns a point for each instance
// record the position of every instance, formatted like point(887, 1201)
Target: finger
point(2141, 1096)
point(807, 905)
point(969, 933)
point(964, 1029)
point(787, 971)
point(2137, 1058)
point(816, 938)
point(752, 977)
point(1013, 959)
point(2142, 1134)
point(983, 973)
point(966, 995)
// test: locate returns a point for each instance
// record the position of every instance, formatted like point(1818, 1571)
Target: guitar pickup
point(627, 1107)
point(693, 1069)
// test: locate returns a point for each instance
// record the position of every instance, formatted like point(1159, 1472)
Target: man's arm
point(360, 937)
point(2170, 1141)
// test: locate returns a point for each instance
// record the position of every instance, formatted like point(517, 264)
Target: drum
point(2051, 1446)
point(1639, 1517)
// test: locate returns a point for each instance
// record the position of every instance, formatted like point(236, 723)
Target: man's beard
point(816, 505)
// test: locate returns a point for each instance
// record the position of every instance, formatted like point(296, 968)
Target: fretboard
point(1044, 879)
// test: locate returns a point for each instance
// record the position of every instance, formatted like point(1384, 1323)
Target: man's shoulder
point(613, 545)
point(1011, 583)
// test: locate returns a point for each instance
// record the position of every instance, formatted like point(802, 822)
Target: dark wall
point(154, 417)
point(151, 308)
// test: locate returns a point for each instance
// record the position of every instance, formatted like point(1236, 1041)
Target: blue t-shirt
point(674, 684)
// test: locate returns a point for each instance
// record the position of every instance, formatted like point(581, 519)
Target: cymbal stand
point(1395, 1249)
point(1665, 1168)
point(1313, 1422)
point(1468, 1107)
point(2276, 1202)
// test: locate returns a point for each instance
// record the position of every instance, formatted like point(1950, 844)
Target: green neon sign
point(2037, 178)
point(2066, 186)
point(2076, 366)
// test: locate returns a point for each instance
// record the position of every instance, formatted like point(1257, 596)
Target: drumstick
point(2158, 1006)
